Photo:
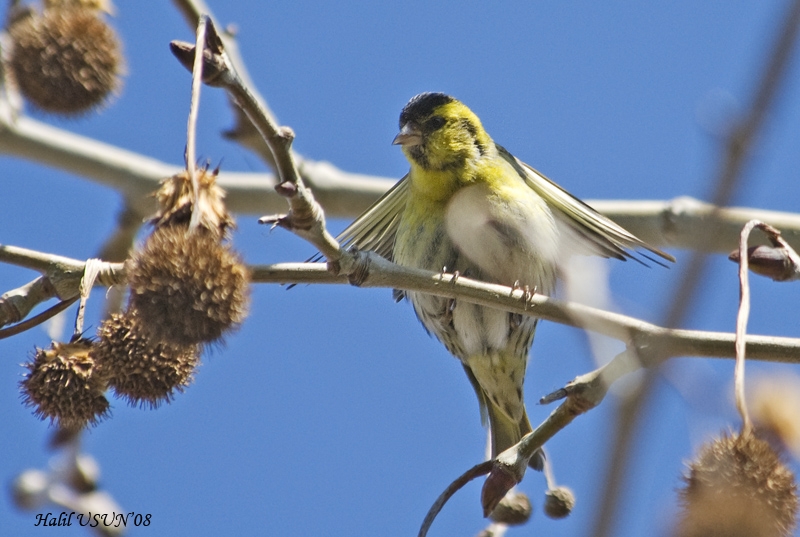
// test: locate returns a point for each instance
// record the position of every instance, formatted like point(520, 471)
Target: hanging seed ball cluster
point(188, 287)
point(738, 486)
point(66, 384)
point(65, 60)
point(143, 371)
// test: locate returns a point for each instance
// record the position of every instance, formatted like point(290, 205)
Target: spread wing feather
point(604, 237)
point(376, 227)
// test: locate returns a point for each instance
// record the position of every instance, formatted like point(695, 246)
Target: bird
point(469, 207)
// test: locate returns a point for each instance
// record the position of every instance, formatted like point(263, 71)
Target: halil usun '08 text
point(93, 520)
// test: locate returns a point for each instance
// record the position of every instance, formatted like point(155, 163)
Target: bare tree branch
point(16, 304)
point(191, 11)
point(136, 176)
point(672, 223)
point(60, 278)
point(374, 271)
point(306, 217)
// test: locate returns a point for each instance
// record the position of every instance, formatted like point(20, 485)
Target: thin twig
point(244, 131)
point(191, 11)
point(191, 123)
point(549, 476)
point(306, 217)
point(16, 304)
point(508, 468)
point(38, 261)
point(90, 272)
point(741, 327)
point(473, 473)
point(36, 320)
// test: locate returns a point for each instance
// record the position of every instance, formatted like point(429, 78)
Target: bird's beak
point(409, 135)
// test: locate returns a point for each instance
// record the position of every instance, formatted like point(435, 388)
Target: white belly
point(512, 239)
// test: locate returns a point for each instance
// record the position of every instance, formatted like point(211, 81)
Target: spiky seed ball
point(513, 510)
point(143, 371)
point(559, 502)
point(187, 287)
point(65, 384)
point(738, 486)
point(65, 60)
point(176, 201)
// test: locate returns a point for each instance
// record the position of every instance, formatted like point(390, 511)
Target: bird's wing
point(376, 227)
point(601, 235)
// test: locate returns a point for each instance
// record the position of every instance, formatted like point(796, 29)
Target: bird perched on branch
point(468, 206)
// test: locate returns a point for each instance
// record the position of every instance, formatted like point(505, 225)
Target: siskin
point(468, 205)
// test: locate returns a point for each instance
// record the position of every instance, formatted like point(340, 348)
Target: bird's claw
point(527, 293)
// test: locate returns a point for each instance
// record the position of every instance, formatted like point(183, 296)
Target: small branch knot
point(286, 134)
point(360, 271)
point(287, 189)
point(582, 394)
point(334, 267)
point(294, 221)
point(304, 218)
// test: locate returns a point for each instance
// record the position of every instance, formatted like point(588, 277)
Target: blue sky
point(331, 411)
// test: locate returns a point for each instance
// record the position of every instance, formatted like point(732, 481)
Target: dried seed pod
point(66, 384)
point(65, 60)
point(559, 502)
point(738, 486)
point(176, 202)
point(143, 371)
point(187, 287)
point(774, 262)
point(513, 510)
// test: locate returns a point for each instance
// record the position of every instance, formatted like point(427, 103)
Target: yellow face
point(439, 134)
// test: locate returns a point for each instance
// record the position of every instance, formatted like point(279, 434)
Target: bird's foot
point(527, 292)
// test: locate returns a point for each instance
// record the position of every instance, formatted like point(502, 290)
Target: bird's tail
point(504, 431)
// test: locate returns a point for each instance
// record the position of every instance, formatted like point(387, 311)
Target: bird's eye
point(436, 122)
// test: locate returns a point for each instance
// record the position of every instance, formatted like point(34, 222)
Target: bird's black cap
point(421, 106)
